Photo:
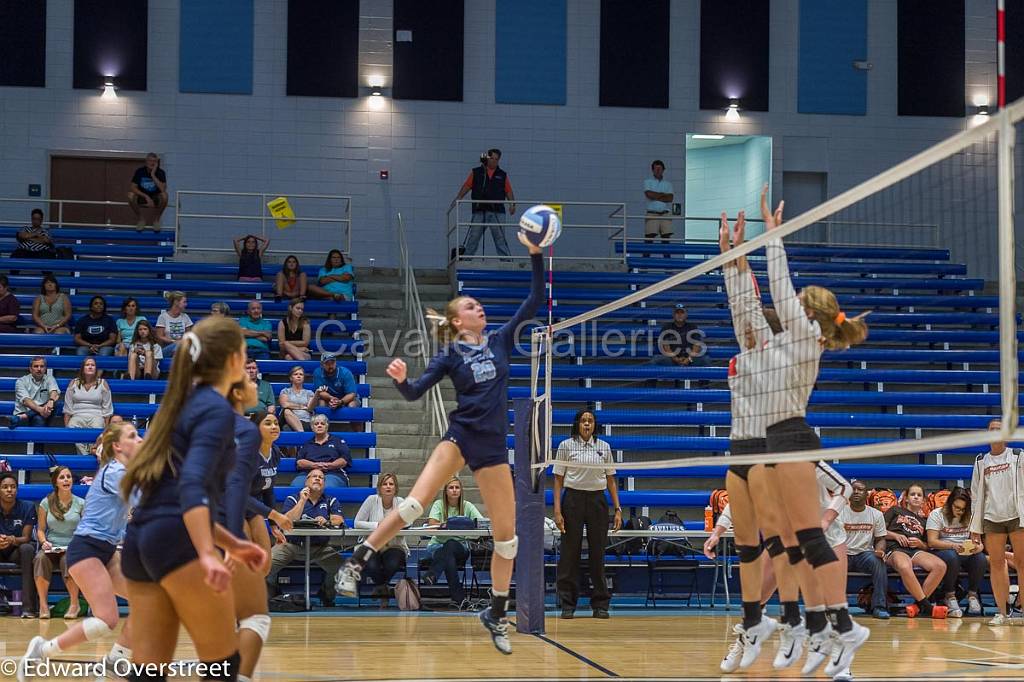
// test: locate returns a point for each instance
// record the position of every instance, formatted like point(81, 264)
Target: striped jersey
point(747, 368)
point(833, 493)
point(795, 353)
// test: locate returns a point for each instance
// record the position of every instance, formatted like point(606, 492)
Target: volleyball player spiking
point(812, 322)
point(478, 364)
point(92, 557)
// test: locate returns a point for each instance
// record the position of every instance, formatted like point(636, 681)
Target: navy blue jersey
point(247, 466)
point(261, 493)
point(480, 373)
point(202, 454)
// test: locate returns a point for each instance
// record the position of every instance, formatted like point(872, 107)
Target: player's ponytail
point(443, 323)
point(838, 330)
point(202, 357)
point(110, 435)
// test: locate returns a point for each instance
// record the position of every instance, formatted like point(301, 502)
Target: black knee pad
point(795, 555)
point(774, 546)
point(815, 547)
point(226, 669)
point(748, 554)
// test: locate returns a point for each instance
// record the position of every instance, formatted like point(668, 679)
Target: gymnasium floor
point(631, 645)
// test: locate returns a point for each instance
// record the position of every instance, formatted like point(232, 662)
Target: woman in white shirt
point(172, 323)
point(391, 559)
point(950, 539)
point(584, 504)
point(995, 492)
point(87, 402)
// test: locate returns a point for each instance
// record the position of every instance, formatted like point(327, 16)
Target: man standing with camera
point(488, 182)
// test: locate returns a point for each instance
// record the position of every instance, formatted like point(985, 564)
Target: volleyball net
point(925, 246)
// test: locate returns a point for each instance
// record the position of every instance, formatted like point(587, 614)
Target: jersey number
point(483, 371)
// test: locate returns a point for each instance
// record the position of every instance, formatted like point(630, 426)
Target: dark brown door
point(87, 178)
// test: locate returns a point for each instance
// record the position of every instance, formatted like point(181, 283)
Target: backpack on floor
point(407, 594)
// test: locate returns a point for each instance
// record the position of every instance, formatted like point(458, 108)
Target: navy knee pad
point(748, 554)
point(795, 555)
point(815, 547)
point(226, 669)
point(774, 546)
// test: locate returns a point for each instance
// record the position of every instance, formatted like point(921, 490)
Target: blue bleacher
point(80, 303)
point(114, 363)
point(146, 410)
point(106, 250)
point(360, 466)
point(156, 387)
point(346, 346)
point(66, 235)
point(137, 267)
point(859, 354)
point(796, 252)
point(55, 434)
point(799, 268)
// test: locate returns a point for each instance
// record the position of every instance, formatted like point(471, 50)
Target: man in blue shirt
point(310, 504)
point(659, 194)
point(17, 518)
point(335, 386)
point(257, 332)
point(325, 453)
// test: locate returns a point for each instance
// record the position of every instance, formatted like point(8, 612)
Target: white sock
point(499, 593)
point(243, 678)
point(51, 648)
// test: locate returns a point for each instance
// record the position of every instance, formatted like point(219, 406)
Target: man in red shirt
point(488, 181)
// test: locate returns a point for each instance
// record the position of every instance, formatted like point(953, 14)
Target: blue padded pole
point(529, 572)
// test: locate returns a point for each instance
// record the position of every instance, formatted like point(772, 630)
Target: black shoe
point(601, 613)
point(428, 579)
point(567, 614)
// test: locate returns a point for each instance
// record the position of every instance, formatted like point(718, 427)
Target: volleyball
point(541, 225)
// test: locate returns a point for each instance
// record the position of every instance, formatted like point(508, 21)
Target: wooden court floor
point(664, 647)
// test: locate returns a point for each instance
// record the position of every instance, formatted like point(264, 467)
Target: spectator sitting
point(58, 516)
point(264, 391)
point(220, 309)
point(51, 310)
point(950, 538)
point(172, 323)
point(87, 402)
point(148, 192)
point(681, 343)
point(130, 318)
point(17, 518)
point(392, 557)
point(324, 452)
point(310, 503)
point(34, 241)
point(96, 332)
point(335, 280)
point(250, 250)
point(35, 396)
point(257, 332)
point(144, 353)
point(335, 386)
point(906, 548)
point(447, 553)
point(293, 332)
point(865, 545)
point(290, 281)
point(9, 308)
point(296, 401)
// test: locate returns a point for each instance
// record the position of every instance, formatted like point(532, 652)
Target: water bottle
point(709, 519)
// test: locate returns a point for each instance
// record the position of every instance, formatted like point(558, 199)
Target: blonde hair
point(219, 339)
point(386, 477)
point(110, 435)
point(461, 506)
point(838, 330)
point(173, 297)
point(444, 327)
point(52, 500)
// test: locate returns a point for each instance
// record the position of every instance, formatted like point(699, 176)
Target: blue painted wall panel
point(216, 46)
point(529, 60)
point(833, 34)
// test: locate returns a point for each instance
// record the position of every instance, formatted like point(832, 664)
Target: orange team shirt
point(468, 184)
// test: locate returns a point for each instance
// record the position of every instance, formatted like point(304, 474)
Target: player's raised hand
point(771, 220)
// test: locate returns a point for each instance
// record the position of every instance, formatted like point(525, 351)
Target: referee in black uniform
point(584, 504)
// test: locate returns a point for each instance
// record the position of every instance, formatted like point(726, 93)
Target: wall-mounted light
point(732, 113)
point(980, 109)
point(376, 91)
point(109, 89)
point(699, 136)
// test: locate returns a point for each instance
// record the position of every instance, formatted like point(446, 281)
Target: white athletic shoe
point(754, 638)
point(791, 645)
point(844, 646)
point(113, 663)
point(954, 608)
point(843, 676)
point(731, 662)
point(819, 646)
point(347, 580)
point(498, 627)
point(34, 652)
point(973, 606)
point(999, 620)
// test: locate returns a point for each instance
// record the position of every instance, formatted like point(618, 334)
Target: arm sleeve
point(208, 439)
point(438, 367)
point(255, 505)
point(839, 488)
point(107, 401)
point(435, 510)
point(787, 305)
point(507, 332)
point(977, 497)
point(562, 455)
point(20, 392)
point(69, 398)
point(468, 184)
point(362, 519)
point(236, 496)
point(745, 305)
point(350, 383)
point(933, 522)
point(266, 395)
point(725, 518)
point(606, 452)
point(472, 512)
point(879, 525)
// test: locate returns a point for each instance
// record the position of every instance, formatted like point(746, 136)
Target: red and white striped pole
point(1001, 52)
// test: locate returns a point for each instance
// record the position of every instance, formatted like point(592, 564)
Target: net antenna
point(998, 129)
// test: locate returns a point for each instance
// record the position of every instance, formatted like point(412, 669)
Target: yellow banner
point(557, 208)
point(282, 210)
